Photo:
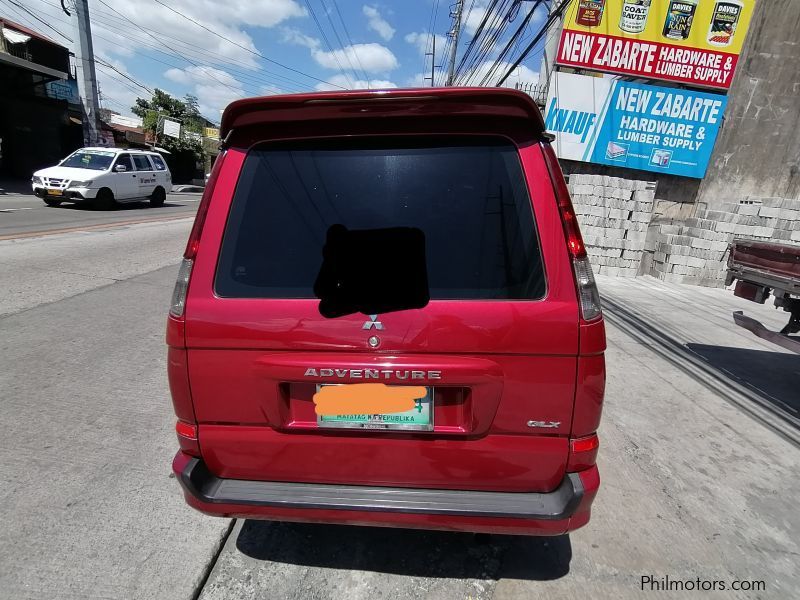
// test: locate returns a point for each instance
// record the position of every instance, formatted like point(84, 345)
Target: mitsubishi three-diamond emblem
point(373, 323)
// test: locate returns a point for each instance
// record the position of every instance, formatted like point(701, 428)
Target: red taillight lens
point(197, 229)
point(568, 217)
point(186, 430)
point(582, 453)
point(187, 438)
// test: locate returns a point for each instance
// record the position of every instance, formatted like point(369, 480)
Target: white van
point(105, 176)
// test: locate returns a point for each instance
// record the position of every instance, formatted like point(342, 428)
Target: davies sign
point(696, 42)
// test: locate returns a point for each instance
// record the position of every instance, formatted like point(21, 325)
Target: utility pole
point(455, 33)
point(87, 79)
point(550, 50)
point(432, 54)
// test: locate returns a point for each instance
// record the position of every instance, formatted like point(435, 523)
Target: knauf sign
point(611, 122)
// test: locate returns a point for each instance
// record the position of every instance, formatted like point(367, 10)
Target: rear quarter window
point(469, 198)
point(158, 162)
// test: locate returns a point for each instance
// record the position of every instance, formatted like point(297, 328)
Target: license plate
point(55, 192)
point(419, 418)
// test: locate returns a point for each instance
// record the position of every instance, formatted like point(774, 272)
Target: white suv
point(105, 176)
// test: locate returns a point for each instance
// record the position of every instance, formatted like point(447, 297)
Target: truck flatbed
point(763, 268)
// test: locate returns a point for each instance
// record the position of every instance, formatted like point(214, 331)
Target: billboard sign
point(607, 121)
point(688, 41)
point(172, 128)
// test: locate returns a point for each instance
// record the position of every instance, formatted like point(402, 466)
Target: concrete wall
point(758, 150)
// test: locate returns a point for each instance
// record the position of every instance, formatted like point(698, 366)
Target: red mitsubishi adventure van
point(420, 238)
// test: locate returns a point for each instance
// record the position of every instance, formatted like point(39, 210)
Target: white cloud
point(294, 36)
point(372, 58)
point(422, 41)
point(343, 82)
point(419, 80)
point(214, 88)
point(521, 74)
point(377, 23)
point(116, 33)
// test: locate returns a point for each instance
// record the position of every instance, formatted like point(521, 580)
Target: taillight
point(181, 288)
point(588, 295)
point(187, 438)
point(582, 453)
point(200, 219)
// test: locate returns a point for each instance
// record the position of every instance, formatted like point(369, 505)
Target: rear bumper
point(564, 509)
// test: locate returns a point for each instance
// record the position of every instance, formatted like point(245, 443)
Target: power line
point(492, 33)
point(42, 21)
point(475, 37)
point(349, 39)
point(552, 18)
point(238, 91)
point(244, 47)
point(341, 44)
point(515, 37)
point(149, 44)
point(328, 44)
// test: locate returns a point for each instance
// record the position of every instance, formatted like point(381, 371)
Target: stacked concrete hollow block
point(695, 250)
point(614, 215)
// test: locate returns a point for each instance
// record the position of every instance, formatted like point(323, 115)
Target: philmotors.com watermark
point(651, 583)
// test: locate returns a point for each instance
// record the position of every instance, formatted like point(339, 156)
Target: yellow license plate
point(55, 192)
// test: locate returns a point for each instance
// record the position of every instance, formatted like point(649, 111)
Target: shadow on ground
point(775, 376)
point(120, 207)
point(414, 553)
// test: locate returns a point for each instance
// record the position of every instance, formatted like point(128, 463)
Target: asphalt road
point(27, 214)
point(699, 455)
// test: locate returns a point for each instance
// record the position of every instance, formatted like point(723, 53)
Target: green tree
point(161, 106)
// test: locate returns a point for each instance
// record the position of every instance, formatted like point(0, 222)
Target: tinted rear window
point(470, 201)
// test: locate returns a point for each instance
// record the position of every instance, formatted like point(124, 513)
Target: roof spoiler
point(451, 102)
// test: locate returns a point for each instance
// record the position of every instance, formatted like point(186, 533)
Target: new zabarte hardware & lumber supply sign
point(607, 121)
point(696, 42)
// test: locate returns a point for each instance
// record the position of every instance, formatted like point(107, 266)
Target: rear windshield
point(470, 201)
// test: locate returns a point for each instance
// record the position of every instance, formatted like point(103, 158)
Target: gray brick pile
point(614, 215)
point(695, 250)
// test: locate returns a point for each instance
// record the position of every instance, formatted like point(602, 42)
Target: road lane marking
point(99, 226)
point(16, 209)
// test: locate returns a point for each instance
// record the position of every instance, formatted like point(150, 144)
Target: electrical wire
point(551, 19)
point(507, 49)
point(211, 75)
point(177, 12)
point(328, 44)
point(42, 21)
point(341, 44)
point(109, 21)
point(349, 39)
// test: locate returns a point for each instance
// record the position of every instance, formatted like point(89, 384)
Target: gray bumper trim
point(558, 504)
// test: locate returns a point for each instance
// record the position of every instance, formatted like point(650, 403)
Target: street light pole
point(87, 78)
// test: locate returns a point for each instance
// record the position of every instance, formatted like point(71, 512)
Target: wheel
point(52, 202)
point(105, 200)
point(157, 197)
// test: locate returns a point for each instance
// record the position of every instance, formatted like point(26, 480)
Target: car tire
point(52, 202)
point(105, 200)
point(158, 197)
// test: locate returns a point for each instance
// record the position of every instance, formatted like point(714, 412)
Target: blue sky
point(218, 57)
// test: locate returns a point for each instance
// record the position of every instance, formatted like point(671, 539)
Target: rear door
point(496, 344)
point(145, 175)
